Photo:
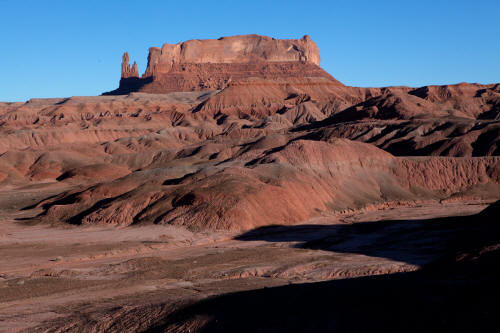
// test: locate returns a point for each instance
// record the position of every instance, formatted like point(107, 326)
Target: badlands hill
point(248, 131)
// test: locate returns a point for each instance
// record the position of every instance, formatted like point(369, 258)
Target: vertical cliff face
point(127, 71)
point(213, 63)
point(232, 50)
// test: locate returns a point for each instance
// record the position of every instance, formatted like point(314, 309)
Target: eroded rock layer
point(259, 134)
point(215, 63)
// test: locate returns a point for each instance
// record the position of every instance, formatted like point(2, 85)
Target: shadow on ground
point(411, 241)
point(458, 292)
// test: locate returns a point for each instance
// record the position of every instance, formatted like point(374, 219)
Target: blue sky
point(65, 48)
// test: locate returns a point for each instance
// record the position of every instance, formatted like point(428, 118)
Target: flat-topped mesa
point(212, 64)
point(232, 50)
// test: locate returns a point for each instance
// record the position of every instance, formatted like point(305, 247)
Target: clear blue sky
point(64, 48)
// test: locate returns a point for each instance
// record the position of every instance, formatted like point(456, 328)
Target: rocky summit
point(214, 63)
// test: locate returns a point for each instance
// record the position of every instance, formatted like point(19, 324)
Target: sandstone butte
point(214, 63)
point(247, 131)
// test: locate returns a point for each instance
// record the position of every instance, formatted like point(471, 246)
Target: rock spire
point(127, 71)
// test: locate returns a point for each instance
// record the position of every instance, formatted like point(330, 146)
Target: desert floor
point(117, 279)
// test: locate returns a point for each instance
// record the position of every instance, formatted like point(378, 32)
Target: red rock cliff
point(229, 50)
point(128, 71)
point(213, 63)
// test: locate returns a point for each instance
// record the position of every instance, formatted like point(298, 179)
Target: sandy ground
point(63, 277)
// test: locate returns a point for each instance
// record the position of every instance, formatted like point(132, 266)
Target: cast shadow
point(412, 241)
point(457, 293)
point(129, 85)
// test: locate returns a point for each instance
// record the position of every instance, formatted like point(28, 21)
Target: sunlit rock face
point(212, 64)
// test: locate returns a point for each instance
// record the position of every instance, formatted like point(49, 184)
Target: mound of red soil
point(286, 184)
